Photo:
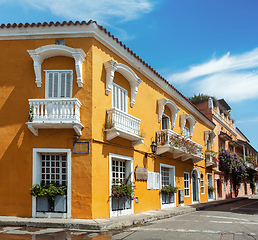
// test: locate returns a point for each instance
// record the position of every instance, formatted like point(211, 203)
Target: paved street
point(238, 221)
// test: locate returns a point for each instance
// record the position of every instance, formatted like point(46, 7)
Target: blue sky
point(200, 46)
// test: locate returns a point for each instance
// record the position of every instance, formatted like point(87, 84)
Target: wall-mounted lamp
point(153, 149)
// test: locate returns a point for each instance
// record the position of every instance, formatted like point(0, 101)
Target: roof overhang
point(224, 136)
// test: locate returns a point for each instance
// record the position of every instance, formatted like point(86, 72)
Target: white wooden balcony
point(54, 113)
point(124, 125)
point(169, 141)
point(209, 159)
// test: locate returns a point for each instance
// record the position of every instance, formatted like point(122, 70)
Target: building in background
point(228, 137)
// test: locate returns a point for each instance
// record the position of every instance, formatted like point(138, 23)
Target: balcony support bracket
point(33, 129)
point(111, 134)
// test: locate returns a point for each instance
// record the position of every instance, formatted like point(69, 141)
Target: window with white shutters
point(59, 84)
point(119, 98)
point(202, 184)
point(187, 184)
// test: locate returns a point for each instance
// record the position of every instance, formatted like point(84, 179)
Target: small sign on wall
point(141, 174)
point(81, 147)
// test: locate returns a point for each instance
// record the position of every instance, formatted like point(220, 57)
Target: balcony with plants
point(124, 125)
point(54, 113)
point(210, 158)
point(178, 145)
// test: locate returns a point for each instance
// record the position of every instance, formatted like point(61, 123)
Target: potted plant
point(122, 194)
point(168, 194)
point(211, 189)
point(47, 197)
point(109, 123)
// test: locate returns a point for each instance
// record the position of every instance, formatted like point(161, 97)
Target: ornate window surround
point(173, 109)
point(191, 121)
point(209, 135)
point(111, 67)
point(40, 54)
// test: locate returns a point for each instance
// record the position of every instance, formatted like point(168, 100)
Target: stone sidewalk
point(111, 223)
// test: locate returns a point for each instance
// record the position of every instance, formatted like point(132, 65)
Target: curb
point(112, 223)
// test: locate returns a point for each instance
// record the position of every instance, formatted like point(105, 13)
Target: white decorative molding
point(40, 54)
point(173, 109)
point(191, 121)
point(111, 67)
point(207, 135)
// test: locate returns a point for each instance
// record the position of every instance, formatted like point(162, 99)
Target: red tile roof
point(21, 25)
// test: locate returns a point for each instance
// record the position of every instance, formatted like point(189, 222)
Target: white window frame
point(36, 178)
point(187, 180)
point(116, 96)
point(210, 183)
point(59, 83)
point(172, 182)
point(202, 184)
point(168, 121)
point(129, 168)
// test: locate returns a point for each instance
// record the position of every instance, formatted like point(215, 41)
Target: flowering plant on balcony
point(211, 153)
point(185, 144)
point(168, 189)
point(121, 189)
point(250, 159)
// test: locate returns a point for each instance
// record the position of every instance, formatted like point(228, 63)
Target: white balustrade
point(55, 109)
point(123, 121)
point(169, 138)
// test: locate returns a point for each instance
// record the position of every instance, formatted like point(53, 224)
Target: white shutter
point(56, 85)
point(119, 97)
point(50, 85)
point(59, 84)
point(62, 80)
point(68, 85)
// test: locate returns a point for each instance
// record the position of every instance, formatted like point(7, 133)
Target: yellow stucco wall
point(89, 172)
point(146, 109)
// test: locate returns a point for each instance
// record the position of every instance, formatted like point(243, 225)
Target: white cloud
point(100, 10)
point(248, 120)
point(231, 77)
point(233, 87)
point(226, 63)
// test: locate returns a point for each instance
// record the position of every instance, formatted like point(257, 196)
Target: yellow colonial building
point(83, 111)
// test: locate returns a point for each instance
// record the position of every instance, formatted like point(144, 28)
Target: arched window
point(173, 109)
point(134, 81)
point(187, 125)
point(40, 54)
